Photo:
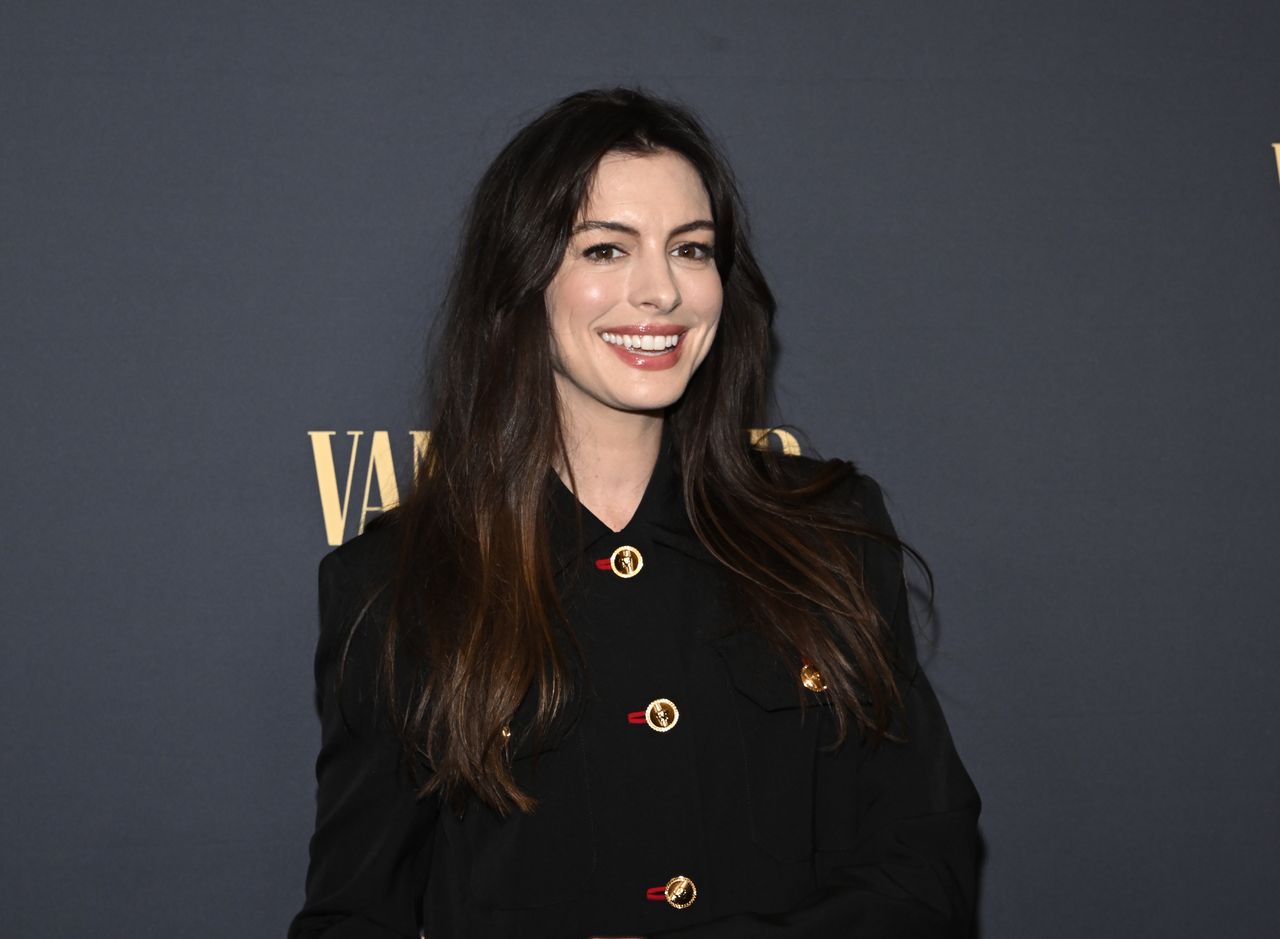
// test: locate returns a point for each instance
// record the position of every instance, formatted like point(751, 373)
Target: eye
point(694, 251)
point(602, 252)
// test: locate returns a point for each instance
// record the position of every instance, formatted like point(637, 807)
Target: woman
point(609, 670)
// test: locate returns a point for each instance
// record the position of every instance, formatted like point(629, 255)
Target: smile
point(647, 342)
point(651, 347)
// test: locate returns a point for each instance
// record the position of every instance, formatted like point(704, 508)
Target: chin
point(653, 400)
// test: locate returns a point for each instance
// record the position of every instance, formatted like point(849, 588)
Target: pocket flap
point(759, 673)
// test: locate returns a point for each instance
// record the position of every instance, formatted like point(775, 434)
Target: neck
point(612, 458)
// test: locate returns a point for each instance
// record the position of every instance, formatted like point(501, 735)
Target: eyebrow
point(599, 225)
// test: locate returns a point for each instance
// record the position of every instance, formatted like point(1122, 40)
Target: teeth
point(645, 343)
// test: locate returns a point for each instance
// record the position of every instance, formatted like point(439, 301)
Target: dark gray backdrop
point(1028, 258)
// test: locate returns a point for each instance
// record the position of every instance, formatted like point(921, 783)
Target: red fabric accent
point(656, 893)
point(635, 717)
point(604, 565)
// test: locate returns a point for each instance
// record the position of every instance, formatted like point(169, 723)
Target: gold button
point(626, 561)
point(811, 678)
point(661, 715)
point(681, 892)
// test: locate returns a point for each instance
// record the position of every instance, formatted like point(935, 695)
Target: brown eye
point(693, 251)
point(602, 253)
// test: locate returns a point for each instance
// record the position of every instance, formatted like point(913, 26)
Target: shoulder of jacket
point(850, 493)
point(369, 558)
point(354, 582)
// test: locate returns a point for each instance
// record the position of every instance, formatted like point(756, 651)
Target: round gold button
point(811, 678)
point(661, 715)
point(681, 892)
point(626, 561)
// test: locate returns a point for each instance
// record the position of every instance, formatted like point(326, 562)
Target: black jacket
point(779, 836)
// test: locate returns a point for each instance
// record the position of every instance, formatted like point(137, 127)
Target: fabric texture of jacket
point(729, 784)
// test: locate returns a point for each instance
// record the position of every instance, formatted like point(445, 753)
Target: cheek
point(710, 340)
point(574, 302)
point(706, 295)
point(710, 300)
point(711, 326)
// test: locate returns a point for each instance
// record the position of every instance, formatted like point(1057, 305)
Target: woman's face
point(635, 304)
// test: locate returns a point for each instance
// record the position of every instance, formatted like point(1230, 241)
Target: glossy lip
point(648, 363)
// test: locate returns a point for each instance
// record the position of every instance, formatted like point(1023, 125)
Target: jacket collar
point(660, 517)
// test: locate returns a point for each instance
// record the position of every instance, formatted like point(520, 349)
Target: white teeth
point(643, 343)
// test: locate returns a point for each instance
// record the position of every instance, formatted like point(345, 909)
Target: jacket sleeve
point(371, 846)
point(896, 824)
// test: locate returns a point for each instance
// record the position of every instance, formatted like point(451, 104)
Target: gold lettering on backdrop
point(760, 438)
point(335, 496)
point(332, 505)
point(380, 462)
point(1276, 148)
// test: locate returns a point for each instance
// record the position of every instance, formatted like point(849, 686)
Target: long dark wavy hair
point(475, 619)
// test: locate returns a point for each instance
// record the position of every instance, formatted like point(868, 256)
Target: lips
point(649, 346)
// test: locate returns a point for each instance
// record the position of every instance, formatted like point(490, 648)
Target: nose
point(653, 285)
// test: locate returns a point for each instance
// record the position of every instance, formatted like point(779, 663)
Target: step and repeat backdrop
point(1028, 263)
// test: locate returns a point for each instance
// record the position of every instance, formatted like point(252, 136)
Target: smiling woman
point(609, 670)
point(634, 316)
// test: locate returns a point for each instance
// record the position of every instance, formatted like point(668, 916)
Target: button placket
point(660, 715)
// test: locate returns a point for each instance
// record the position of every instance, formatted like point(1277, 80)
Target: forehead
point(663, 182)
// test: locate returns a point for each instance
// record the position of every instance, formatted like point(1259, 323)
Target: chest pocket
point(779, 731)
point(544, 857)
